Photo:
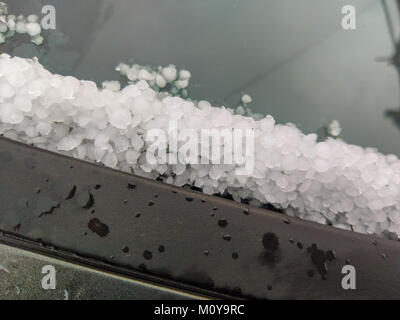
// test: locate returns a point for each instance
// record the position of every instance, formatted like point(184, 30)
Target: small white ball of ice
point(9, 114)
point(20, 27)
point(110, 160)
point(69, 143)
point(6, 91)
point(33, 28)
point(334, 128)
point(44, 128)
point(246, 99)
point(3, 27)
point(120, 118)
point(169, 73)
point(160, 81)
point(184, 74)
point(111, 85)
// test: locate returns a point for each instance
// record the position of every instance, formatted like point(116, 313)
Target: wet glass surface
point(291, 56)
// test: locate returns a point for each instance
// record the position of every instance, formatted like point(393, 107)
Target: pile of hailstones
point(169, 80)
point(347, 185)
point(10, 25)
point(161, 79)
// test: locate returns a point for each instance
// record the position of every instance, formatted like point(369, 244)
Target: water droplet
point(161, 248)
point(125, 249)
point(151, 203)
point(65, 189)
point(71, 193)
point(97, 186)
point(98, 227)
point(138, 215)
point(320, 258)
point(222, 223)
point(131, 186)
point(189, 199)
point(147, 255)
point(235, 255)
point(206, 252)
point(270, 242)
point(85, 199)
point(300, 245)
point(227, 237)
point(246, 211)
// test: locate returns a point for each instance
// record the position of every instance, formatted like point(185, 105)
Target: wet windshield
point(293, 58)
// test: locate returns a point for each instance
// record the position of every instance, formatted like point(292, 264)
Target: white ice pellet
point(334, 128)
point(123, 68)
point(160, 81)
point(11, 23)
point(37, 39)
point(69, 143)
point(111, 85)
point(142, 85)
point(32, 18)
point(121, 143)
point(20, 27)
point(44, 128)
point(184, 74)
point(181, 84)
point(3, 27)
point(352, 187)
point(143, 74)
point(81, 151)
point(246, 99)
point(169, 73)
point(9, 114)
point(110, 160)
point(31, 131)
point(120, 118)
point(132, 156)
point(101, 140)
point(33, 28)
point(6, 90)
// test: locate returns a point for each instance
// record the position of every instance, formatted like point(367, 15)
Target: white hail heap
point(350, 186)
point(10, 25)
